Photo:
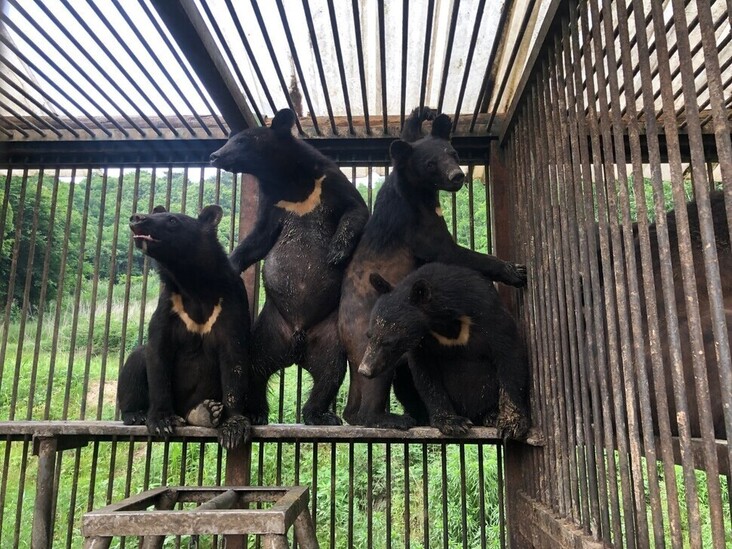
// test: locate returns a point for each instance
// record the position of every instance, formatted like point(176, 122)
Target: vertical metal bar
point(25, 304)
point(319, 64)
point(360, 61)
point(448, 53)
point(405, 58)
point(93, 302)
point(273, 58)
point(382, 63)
point(21, 491)
point(443, 487)
point(469, 58)
point(350, 494)
point(406, 520)
point(425, 497)
point(426, 51)
point(298, 67)
point(463, 500)
point(110, 291)
point(42, 298)
point(4, 483)
point(724, 155)
point(332, 494)
point(387, 457)
point(582, 286)
point(341, 67)
point(500, 486)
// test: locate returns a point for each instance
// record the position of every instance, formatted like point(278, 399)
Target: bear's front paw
point(321, 418)
point(134, 418)
point(451, 425)
point(206, 414)
point(259, 418)
point(515, 274)
point(234, 431)
point(162, 424)
point(515, 427)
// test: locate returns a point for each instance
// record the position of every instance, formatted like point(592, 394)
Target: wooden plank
point(183, 522)
point(106, 430)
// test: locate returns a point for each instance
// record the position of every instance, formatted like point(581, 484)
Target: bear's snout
point(457, 177)
point(214, 157)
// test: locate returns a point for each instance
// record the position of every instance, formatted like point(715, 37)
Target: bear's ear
point(441, 127)
point(159, 209)
point(380, 284)
point(283, 122)
point(421, 293)
point(211, 215)
point(400, 150)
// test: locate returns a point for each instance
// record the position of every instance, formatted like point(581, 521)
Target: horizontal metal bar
point(197, 151)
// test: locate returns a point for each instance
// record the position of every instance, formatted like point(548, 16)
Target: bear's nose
point(214, 157)
point(136, 218)
point(457, 177)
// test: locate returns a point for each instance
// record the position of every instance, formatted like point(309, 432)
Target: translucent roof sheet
point(82, 69)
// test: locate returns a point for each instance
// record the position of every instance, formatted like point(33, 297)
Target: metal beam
point(179, 152)
point(193, 37)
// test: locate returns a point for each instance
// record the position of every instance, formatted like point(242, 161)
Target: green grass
point(100, 473)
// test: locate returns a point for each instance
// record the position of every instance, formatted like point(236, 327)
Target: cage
point(581, 125)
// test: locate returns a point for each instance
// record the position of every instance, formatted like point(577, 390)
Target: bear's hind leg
point(132, 389)
point(325, 359)
point(271, 351)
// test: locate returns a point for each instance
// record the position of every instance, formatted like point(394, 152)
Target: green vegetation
point(66, 338)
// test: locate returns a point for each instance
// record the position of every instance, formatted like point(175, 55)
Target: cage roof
point(81, 75)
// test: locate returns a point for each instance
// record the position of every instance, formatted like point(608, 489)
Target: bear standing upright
point(466, 359)
point(309, 222)
point(405, 231)
point(195, 366)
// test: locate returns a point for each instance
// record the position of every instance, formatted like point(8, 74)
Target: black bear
point(724, 255)
point(405, 231)
point(195, 365)
point(309, 222)
point(466, 359)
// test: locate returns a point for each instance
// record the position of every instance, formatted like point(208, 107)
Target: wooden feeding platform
point(221, 511)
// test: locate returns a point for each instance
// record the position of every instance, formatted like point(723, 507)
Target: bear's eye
point(368, 334)
point(431, 165)
point(172, 221)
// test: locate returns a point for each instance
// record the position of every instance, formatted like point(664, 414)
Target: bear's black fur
point(195, 366)
point(724, 256)
point(310, 220)
point(463, 349)
point(405, 231)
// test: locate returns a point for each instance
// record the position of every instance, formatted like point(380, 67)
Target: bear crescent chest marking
point(438, 211)
point(307, 205)
point(190, 324)
point(462, 338)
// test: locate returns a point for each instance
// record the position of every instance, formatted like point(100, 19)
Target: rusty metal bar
point(341, 67)
point(448, 53)
point(298, 67)
point(319, 64)
point(471, 52)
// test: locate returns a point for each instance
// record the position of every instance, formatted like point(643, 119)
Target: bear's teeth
point(143, 237)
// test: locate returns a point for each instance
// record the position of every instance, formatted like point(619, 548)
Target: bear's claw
point(452, 425)
point(234, 432)
point(321, 418)
point(164, 425)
